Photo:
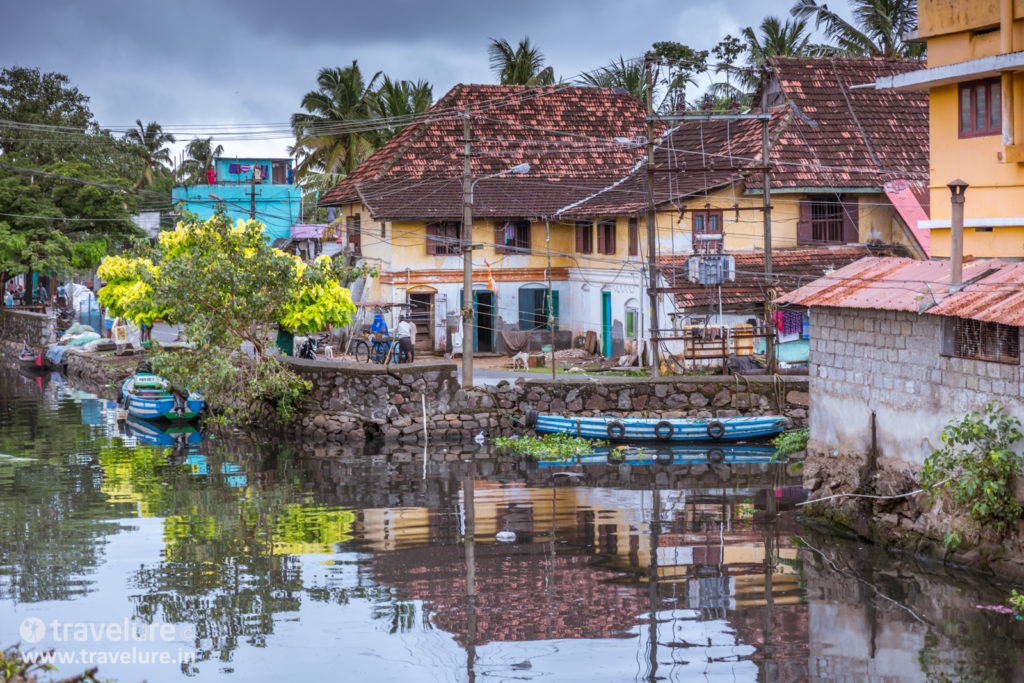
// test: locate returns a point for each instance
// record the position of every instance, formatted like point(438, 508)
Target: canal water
point(175, 556)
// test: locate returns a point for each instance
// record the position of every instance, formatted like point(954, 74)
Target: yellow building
point(536, 152)
point(976, 92)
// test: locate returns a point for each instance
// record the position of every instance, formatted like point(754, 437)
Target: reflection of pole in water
point(468, 541)
point(652, 585)
point(771, 509)
point(551, 561)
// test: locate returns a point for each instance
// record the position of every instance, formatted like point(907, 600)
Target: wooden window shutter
point(609, 239)
point(431, 238)
point(851, 220)
point(634, 237)
point(579, 238)
point(804, 227)
point(601, 241)
point(499, 237)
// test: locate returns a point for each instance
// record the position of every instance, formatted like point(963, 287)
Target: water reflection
point(287, 559)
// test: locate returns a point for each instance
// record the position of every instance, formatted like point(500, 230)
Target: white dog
point(521, 359)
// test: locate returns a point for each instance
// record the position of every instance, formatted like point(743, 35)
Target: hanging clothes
point(510, 232)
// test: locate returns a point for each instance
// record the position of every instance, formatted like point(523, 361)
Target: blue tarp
point(56, 353)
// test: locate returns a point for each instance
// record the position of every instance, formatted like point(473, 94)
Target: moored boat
point(30, 360)
point(615, 428)
point(150, 397)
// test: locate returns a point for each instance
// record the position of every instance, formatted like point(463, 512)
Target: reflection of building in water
point(595, 563)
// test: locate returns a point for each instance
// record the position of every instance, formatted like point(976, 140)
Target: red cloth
point(211, 176)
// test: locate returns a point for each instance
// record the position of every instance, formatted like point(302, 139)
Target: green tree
point(49, 117)
point(229, 289)
point(520, 65)
point(878, 29)
point(199, 156)
point(399, 102)
point(618, 74)
point(149, 144)
point(678, 66)
point(61, 220)
point(330, 135)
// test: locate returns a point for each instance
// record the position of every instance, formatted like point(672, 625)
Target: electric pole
point(467, 260)
point(766, 205)
point(652, 266)
point(252, 195)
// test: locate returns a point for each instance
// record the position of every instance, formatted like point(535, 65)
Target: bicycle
point(380, 350)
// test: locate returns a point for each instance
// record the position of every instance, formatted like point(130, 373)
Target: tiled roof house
point(403, 208)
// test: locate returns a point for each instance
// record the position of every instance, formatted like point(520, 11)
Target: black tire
point(716, 430)
point(664, 457)
point(716, 455)
point(616, 430)
point(361, 351)
point(664, 430)
point(530, 418)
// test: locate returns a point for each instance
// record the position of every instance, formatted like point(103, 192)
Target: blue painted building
point(277, 198)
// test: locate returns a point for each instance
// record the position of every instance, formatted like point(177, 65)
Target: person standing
point(404, 334)
point(42, 294)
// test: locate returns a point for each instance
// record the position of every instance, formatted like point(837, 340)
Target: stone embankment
point(353, 401)
point(20, 327)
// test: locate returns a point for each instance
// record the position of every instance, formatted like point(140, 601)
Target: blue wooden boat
point(616, 428)
point(149, 397)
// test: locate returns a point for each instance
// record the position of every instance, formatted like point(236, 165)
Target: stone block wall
point(351, 401)
point(16, 327)
point(889, 363)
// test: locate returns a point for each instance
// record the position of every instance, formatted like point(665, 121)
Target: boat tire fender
point(664, 457)
point(530, 418)
point(616, 430)
point(716, 455)
point(664, 430)
point(716, 430)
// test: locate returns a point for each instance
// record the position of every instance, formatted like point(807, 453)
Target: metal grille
point(980, 340)
point(826, 221)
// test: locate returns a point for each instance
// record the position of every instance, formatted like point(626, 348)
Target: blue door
point(606, 323)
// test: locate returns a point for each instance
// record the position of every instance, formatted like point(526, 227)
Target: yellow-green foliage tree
point(229, 290)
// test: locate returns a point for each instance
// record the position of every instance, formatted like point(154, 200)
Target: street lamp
point(468, 183)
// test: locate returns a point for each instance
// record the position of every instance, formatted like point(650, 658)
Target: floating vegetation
point(556, 447)
point(789, 443)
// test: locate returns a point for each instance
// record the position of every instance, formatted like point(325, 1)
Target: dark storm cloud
point(239, 62)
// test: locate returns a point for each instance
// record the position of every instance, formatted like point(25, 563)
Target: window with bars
point(606, 237)
point(980, 340)
point(584, 237)
point(826, 221)
point(511, 236)
point(981, 109)
point(708, 235)
point(444, 238)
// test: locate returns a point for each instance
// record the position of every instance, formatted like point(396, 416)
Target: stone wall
point(17, 327)
point(352, 400)
point(882, 393)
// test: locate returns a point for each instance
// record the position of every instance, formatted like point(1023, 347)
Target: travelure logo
point(33, 630)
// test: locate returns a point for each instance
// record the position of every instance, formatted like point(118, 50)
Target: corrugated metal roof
point(994, 293)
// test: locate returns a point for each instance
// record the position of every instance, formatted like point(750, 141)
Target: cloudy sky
point(203, 67)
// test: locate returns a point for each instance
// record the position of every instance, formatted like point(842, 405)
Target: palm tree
point(775, 37)
point(618, 74)
point(522, 65)
point(399, 101)
point(149, 146)
point(881, 25)
point(329, 135)
point(199, 154)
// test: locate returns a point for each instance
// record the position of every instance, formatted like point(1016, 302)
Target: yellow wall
point(996, 189)
point(745, 231)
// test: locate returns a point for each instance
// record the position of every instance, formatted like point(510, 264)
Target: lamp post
point(468, 183)
point(956, 232)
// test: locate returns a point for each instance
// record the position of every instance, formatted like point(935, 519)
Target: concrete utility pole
point(956, 233)
point(252, 195)
point(467, 260)
point(766, 206)
point(652, 265)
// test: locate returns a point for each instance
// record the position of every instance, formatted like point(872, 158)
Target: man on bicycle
point(404, 334)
